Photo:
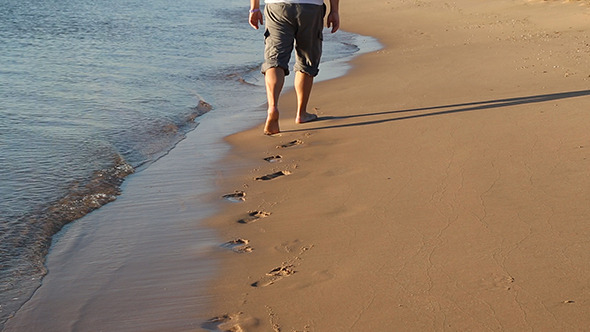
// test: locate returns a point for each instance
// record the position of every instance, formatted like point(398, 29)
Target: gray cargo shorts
point(289, 25)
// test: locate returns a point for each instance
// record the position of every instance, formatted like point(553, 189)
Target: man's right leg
point(303, 85)
point(274, 79)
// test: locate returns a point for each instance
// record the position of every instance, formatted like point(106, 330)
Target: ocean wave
point(24, 246)
point(25, 240)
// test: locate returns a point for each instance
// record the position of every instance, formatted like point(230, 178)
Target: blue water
point(91, 91)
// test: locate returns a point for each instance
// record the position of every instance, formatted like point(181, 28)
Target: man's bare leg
point(274, 79)
point(303, 85)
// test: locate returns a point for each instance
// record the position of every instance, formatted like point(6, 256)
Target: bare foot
point(307, 117)
point(271, 126)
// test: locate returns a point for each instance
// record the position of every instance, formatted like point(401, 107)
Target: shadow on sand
point(454, 108)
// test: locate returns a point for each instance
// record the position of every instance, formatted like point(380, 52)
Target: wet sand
point(445, 187)
point(145, 261)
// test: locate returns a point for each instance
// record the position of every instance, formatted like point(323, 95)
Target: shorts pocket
point(266, 35)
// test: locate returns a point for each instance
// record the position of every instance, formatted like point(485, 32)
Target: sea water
point(92, 91)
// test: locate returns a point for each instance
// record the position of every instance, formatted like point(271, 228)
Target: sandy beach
point(446, 186)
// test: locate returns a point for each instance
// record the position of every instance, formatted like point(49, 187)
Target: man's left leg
point(274, 79)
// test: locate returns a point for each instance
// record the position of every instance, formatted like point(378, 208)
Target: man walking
point(291, 23)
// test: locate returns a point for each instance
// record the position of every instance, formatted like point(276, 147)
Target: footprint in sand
point(494, 281)
point(253, 216)
point(275, 275)
point(230, 322)
point(290, 144)
point(273, 175)
point(273, 159)
point(236, 197)
point(238, 245)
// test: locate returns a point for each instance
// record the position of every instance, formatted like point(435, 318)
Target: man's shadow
point(453, 108)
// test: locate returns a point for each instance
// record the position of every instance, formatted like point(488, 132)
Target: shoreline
point(443, 189)
point(81, 257)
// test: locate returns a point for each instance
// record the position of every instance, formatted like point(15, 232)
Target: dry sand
point(446, 186)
